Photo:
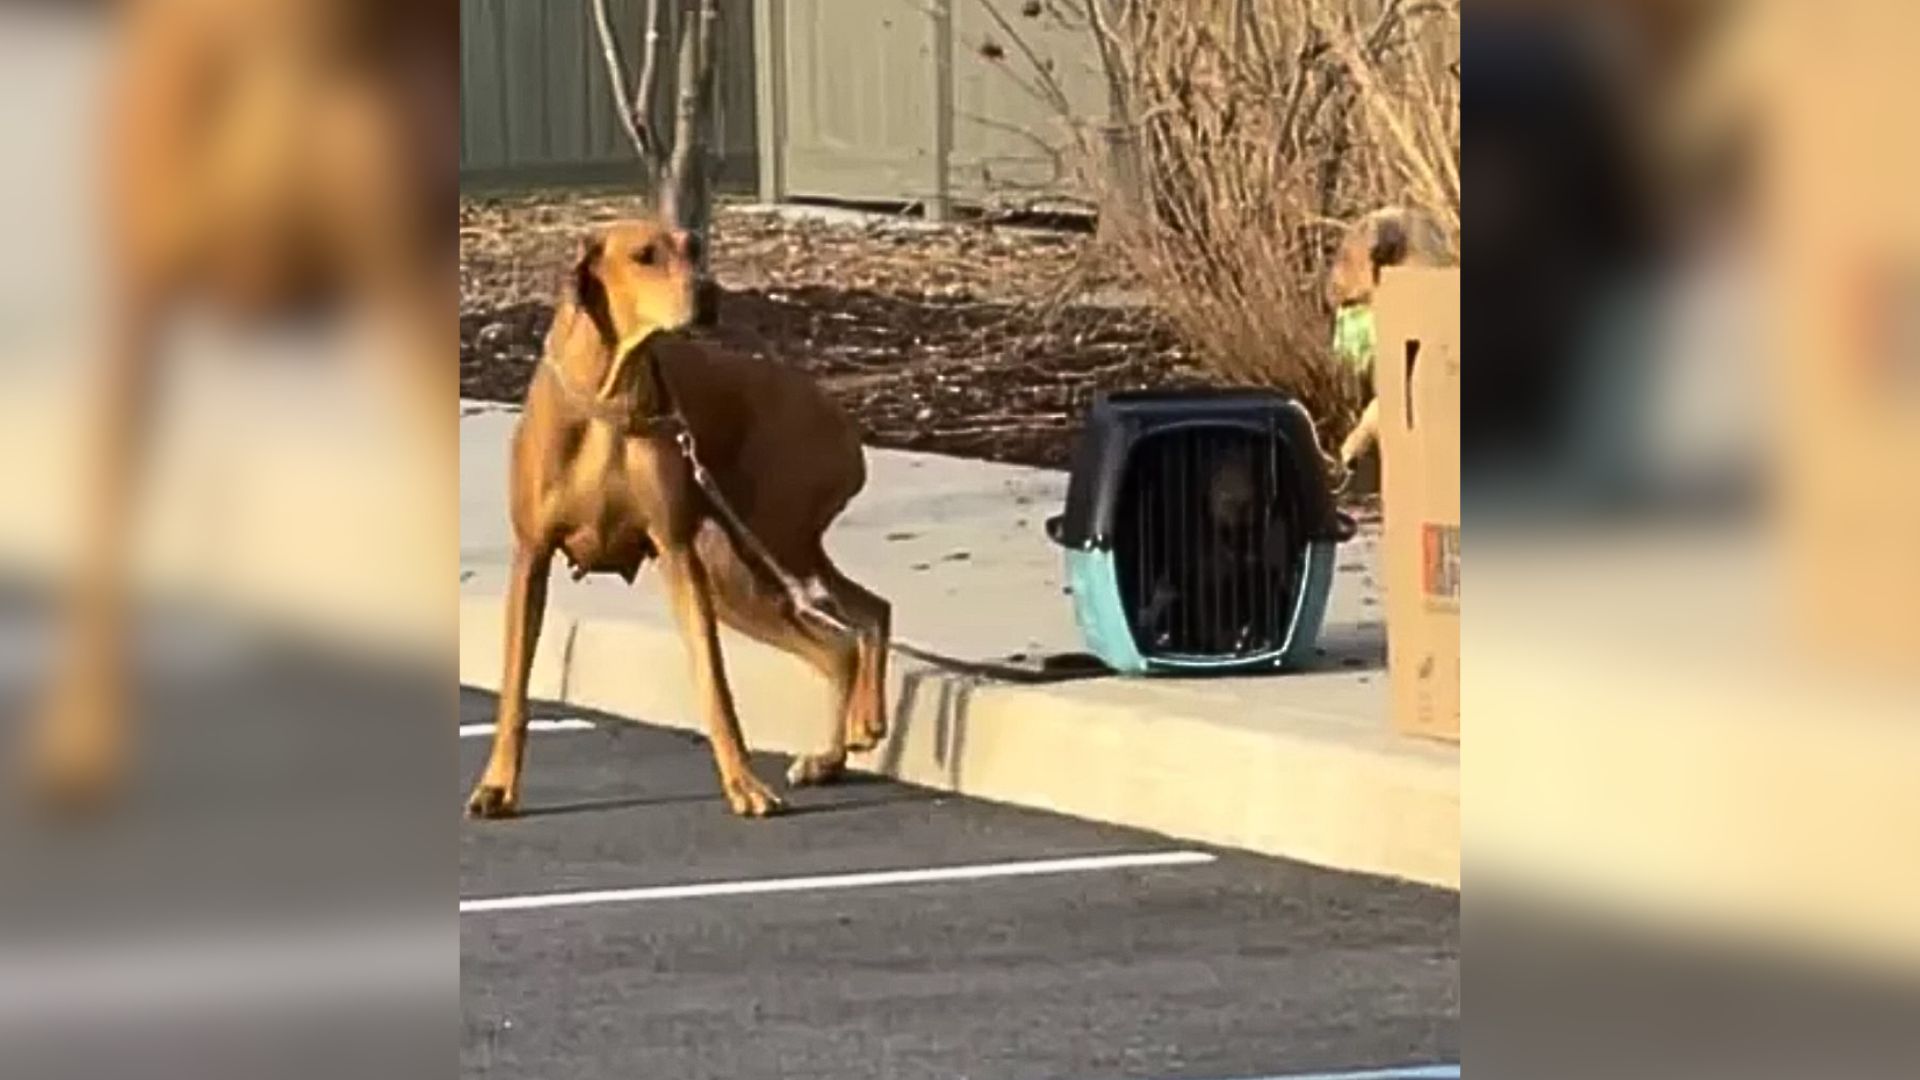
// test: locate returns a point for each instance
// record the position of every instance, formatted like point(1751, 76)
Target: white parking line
point(165, 975)
point(1404, 1073)
point(481, 731)
point(869, 879)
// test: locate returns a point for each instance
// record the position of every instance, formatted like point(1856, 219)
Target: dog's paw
point(74, 768)
point(865, 732)
point(750, 798)
point(73, 787)
point(492, 801)
point(1340, 473)
point(812, 769)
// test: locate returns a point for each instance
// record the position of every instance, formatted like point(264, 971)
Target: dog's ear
point(584, 279)
point(587, 291)
point(1389, 243)
point(1391, 237)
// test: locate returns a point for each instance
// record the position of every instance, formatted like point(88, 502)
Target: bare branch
point(643, 93)
point(1440, 177)
point(616, 74)
point(1053, 94)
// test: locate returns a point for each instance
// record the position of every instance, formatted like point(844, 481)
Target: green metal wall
point(536, 108)
point(866, 100)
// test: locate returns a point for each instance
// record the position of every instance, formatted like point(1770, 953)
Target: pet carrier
point(1199, 532)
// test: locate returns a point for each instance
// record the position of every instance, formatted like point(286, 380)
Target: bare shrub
point(1242, 137)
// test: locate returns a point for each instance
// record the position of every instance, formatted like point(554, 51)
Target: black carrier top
point(1120, 422)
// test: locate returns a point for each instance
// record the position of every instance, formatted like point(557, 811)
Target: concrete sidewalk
point(264, 479)
point(1301, 766)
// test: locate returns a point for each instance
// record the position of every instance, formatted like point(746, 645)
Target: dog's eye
point(648, 255)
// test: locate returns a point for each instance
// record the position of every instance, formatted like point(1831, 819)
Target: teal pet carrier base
point(1199, 534)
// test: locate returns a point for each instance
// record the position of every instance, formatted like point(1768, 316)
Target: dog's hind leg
point(690, 593)
point(498, 792)
point(865, 715)
point(744, 603)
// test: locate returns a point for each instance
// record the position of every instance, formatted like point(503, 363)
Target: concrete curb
point(1293, 785)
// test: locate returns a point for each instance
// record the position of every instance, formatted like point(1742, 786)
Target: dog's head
point(637, 276)
point(1390, 237)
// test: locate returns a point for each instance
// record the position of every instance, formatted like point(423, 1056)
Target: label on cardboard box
point(1440, 565)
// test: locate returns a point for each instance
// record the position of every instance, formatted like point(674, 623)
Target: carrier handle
point(1413, 354)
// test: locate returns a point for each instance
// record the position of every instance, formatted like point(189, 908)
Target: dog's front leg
point(688, 591)
point(1366, 431)
point(498, 792)
point(77, 752)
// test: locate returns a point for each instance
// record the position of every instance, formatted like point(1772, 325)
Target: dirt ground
point(972, 340)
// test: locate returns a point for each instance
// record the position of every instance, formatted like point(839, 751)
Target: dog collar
point(617, 409)
point(1353, 338)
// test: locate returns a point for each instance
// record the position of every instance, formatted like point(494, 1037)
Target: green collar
point(1353, 335)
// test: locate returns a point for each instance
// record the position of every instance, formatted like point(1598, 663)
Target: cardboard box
point(1417, 377)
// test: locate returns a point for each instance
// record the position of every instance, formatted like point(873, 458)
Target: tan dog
point(270, 157)
point(1388, 237)
point(598, 475)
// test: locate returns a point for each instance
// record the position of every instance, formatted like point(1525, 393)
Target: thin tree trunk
point(688, 198)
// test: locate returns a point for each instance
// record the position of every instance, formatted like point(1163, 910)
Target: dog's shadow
point(865, 790)
point(1350, 647)
point(590, 806)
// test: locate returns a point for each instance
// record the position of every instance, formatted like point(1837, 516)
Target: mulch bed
point(973, 340)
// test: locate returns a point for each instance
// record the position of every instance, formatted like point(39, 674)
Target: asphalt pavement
point(628, 926)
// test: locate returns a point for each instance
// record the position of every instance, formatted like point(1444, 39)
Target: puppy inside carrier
point(1199, 531)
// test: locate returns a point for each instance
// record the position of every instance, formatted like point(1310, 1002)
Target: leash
point(808, 599)
point(813, 603)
